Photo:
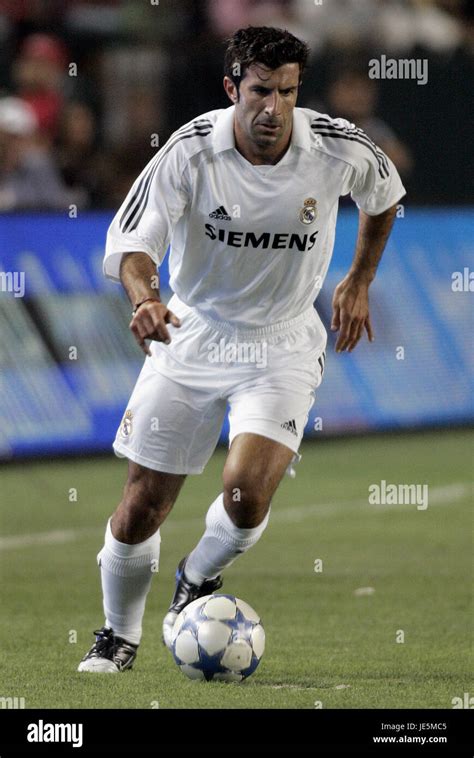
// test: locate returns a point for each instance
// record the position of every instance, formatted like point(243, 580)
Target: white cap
point(17, 117)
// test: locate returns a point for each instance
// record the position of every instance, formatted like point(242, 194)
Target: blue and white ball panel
point(247, 610)
point(238, 655)
point(258, 640)
point(185, 612)
point(218, 637)
point(192, 672)
point(186, 647)
point(220, 607)
point(213, 636)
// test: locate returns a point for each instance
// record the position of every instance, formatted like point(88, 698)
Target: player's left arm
point(351, 297)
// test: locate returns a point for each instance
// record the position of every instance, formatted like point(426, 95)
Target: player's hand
point(149, 323)
point(350, 317)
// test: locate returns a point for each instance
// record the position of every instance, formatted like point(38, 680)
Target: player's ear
point(231, 89)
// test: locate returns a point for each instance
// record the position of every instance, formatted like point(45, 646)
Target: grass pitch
point(402, 644)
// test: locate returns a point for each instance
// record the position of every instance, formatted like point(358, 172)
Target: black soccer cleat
point(109, 654)
point(184, 594)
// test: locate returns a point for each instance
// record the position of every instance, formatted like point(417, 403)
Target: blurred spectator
point(388, 26)
point(132, 81)
point(342, 24)
point(144, 69)
point(82, 162)
point(226, 16)
point(28, 176)
point(353, 96)
point(402, 26)
point(38, 74)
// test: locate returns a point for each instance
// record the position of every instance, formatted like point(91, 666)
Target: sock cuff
point(129, 560)
point(120, 549)
point(221, 525)
point(127, 566)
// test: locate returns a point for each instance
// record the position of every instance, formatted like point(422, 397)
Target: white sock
point(221, 544)
point(126, 573)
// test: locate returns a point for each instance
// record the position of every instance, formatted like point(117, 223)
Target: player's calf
point(148, 498)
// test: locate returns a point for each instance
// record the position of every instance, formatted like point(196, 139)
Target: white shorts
point(267, 377)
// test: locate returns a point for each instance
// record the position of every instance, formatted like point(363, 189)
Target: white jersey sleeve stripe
point(352, 129)
point(382, 170)
point(140, 196)
point(149, 169)
point(356, 135)
point(145, 202)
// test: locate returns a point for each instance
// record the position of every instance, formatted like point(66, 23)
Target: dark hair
point(262, 44)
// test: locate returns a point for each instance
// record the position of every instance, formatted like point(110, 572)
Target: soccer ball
point(218, 637)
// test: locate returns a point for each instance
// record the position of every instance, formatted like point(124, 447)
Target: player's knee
point(246, 501)
point(247, 486)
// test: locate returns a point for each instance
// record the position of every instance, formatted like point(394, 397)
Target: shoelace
point(105, 641)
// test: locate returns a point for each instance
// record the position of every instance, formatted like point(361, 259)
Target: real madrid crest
point(309, 211)
point(126, 425)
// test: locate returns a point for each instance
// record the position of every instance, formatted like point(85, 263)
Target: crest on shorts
point(126, 425)
point(309, 211)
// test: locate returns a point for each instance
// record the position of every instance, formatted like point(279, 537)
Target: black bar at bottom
point(281, 732)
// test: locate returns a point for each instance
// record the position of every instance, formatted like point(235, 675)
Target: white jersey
point(250, 245)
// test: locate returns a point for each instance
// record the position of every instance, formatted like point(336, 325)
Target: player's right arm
point(139, 278)
point(138, 238)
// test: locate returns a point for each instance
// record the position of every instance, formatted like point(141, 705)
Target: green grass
point(320, 635)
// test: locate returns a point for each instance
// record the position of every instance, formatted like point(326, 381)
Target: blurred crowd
point(89, 87)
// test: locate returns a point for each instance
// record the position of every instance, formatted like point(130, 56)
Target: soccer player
point(247, 199)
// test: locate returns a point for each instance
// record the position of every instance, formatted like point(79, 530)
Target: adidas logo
point(290, 426)
point(221, 214)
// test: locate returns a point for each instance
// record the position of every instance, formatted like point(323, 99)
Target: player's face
point(265, 104)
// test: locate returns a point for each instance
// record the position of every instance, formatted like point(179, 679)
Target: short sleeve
point(374, 182)
point(146, 219)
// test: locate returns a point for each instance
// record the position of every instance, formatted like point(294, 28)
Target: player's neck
point(259, 156)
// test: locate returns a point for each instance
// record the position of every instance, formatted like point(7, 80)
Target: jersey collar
point(301, 136)
point(223, 133)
